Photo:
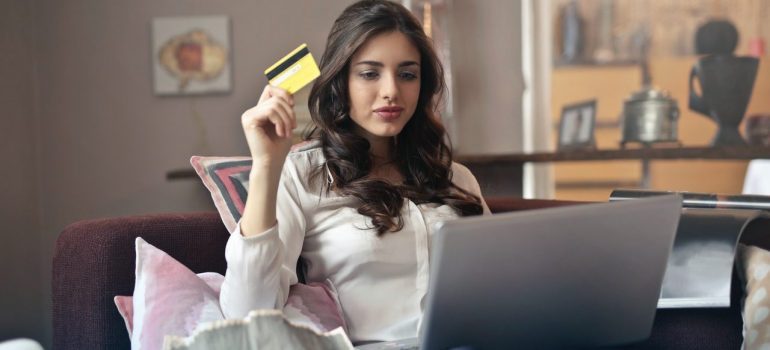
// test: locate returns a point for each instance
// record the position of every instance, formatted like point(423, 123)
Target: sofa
point(94, 261)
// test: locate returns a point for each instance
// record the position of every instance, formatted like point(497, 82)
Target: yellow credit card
point(293, 71)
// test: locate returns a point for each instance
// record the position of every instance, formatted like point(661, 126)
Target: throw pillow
point(169, 299)
point(753, 265)
point(227, 179)
point(314, 305)
point(125, 304)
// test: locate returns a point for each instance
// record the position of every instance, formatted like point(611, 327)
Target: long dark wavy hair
point(421, 151)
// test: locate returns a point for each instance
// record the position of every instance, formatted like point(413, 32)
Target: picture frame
point(576, 126)
point(191, 55)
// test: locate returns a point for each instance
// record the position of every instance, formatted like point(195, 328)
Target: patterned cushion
point(227, 179)
point(753, 267)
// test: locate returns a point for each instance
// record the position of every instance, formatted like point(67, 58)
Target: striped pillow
point(227, 179)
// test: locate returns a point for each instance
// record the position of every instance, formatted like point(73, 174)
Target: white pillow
point(753, 267)
point(169, 299)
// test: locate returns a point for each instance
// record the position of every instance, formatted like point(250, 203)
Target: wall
point(21, 289)
point(488, 82)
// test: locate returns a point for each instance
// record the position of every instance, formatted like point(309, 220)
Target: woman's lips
point(389, 113)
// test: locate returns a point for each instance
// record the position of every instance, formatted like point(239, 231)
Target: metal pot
point(649, 116)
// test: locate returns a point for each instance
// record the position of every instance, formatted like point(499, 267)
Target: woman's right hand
point(268, 126)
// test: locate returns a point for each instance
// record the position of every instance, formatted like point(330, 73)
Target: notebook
point(569, 277)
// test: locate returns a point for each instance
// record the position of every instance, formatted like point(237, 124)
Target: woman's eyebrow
point(380, 64)
point(408, 63)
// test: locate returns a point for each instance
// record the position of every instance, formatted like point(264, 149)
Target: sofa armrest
point(505, 204)
point(94, 261)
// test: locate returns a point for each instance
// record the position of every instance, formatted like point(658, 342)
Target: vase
point(726, 83)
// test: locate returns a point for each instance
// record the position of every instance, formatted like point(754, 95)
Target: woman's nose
point(389, 88)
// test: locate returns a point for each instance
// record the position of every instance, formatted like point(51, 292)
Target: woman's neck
point(383, 165)
point(381, 150)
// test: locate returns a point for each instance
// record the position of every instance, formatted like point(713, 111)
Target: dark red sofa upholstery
point(94, 261)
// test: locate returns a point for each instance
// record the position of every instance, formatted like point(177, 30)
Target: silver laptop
point(569, 277)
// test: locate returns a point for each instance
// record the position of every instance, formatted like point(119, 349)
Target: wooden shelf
point(502, 174)
point(712, 153)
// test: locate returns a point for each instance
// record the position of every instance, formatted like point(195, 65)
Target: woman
point(357, 203)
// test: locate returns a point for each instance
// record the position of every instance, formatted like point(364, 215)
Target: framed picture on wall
point(191, 55)
point(576, 127)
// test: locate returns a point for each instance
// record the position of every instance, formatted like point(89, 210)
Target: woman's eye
point(408, 75)
point(368, 75)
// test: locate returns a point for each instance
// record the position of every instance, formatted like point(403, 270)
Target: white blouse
point(381, 282)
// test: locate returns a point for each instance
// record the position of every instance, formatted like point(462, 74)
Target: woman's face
point(384, 85)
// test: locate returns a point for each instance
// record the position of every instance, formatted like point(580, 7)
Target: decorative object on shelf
point(605, 50)
point(716, 37)
point(190, 55)
point(757, 47)
point(649, 115)
point(576, 129)
point(725, 80)
point(758, 129)
point(572, 32)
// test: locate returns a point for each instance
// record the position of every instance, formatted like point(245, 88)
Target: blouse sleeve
point(261, 268)
point(463, 178)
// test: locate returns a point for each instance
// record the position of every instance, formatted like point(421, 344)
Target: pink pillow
point(315, 305)
point(169, 299)
point(125, 306)
point(125, 303)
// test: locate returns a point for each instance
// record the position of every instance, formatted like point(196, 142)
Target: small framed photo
point(576, 128)
point(191, 55)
